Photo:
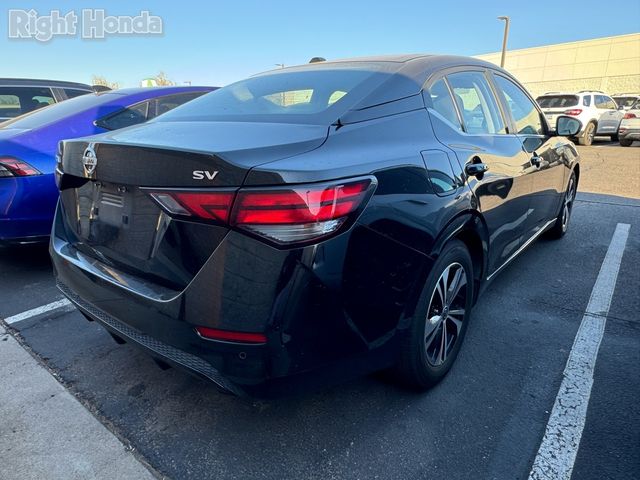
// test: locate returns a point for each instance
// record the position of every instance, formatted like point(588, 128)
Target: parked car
point(21, 95)
point(598, 113)
point(28, 146)
point(628, 101)
point(336, 217)
point(630, 127)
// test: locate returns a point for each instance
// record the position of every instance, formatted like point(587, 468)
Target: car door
point(466, 117)
point(545, 152)
point(610, 116)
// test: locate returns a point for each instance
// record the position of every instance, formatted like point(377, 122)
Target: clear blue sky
point(217, 42)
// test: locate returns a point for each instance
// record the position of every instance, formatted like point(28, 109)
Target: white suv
point(598, 113)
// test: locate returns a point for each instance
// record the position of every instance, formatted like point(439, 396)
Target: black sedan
point(328, 219)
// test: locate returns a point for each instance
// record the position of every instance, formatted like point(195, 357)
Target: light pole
point(504, 39)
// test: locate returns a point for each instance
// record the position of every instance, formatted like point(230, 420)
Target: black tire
point(588, 135)
point(624, 142)
point(561, 226)
point(420, 366)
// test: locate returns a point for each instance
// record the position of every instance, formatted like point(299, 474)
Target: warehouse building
point(609, 64)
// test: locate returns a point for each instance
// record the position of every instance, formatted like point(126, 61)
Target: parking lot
point(486, 420)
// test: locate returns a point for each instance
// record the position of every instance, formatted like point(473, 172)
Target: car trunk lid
point(110, 216)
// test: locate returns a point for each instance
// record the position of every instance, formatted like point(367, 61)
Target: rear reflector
point(229, 336)
point(12, 167)
point(282, 215)
point(573, 112)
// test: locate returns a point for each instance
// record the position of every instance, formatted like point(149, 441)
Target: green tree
point(162, 80)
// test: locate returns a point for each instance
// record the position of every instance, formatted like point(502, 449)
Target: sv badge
point(204, 175)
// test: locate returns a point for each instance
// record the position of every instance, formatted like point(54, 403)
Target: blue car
point(28, 147)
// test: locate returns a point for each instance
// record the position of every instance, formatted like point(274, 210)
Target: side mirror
point(568, 126)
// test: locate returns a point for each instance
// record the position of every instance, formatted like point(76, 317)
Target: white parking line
point(37, 311)
point(559, 447)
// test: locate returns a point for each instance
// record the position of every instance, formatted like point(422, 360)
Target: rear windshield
point(298, 95)
point(626, 102)
point(557, 101)
point(57, 111)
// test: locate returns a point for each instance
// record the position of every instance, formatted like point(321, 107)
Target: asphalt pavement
point(486, 420)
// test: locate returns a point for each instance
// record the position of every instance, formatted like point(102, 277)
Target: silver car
point(629, 129)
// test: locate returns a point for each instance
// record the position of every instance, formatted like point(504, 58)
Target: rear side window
point(524, 112)
point(476, 102)
point(586, 100)
point(442, 104)
point(15, 101)
point(125, 118)
point(557, 101)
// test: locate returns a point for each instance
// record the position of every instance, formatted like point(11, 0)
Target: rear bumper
point(629, 134)
point(154, 347)
point(338, 303)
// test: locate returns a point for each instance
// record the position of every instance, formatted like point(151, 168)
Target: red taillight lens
point(12, 167)
point(574, 112)
point(205, 205)
point(630, 115)
point(298, 205)
point(298, 214)
point(283, 215)
point(229, 336)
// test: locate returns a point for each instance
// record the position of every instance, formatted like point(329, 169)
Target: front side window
point(611, 104)
point(476, 102)
point(524, 112)
point(442, 104)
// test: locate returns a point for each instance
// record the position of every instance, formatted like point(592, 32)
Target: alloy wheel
point(568, 203)
point(445, 314)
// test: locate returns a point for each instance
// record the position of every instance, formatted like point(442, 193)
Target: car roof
point(176, 88)
point(416, 62)
point(34, 82)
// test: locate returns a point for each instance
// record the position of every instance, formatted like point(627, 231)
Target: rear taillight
point(12, 167)
point(573, 112)
point(283, 215)
point(630, 115)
